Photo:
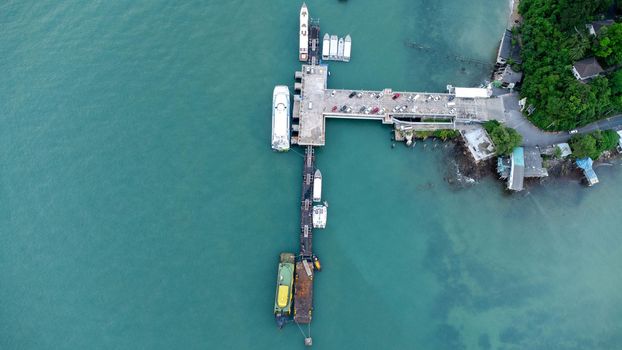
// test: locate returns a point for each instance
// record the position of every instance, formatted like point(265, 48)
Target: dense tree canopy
point(594, 144)
point(609, 44)
point(505, 139)
point(553, 38)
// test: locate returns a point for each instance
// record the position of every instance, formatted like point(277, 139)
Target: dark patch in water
point(484, 341)
point(448, 337)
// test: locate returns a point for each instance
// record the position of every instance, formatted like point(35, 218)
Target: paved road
point(533, 136)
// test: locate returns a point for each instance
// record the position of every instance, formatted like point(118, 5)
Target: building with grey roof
point(595, 27)
point(508, 50)
point(586, 69)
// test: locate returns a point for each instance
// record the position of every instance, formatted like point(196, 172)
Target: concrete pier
point(314, 102)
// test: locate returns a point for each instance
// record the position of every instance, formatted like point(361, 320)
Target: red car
point(375, 110)
point(334, 108)
point(396, 96)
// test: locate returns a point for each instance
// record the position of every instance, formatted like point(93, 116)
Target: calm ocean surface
point(142, 208)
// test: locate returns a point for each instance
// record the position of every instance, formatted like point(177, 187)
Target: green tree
point(504, 138)
point(584, 146)
point(609, 44)
point(577, 45)
point(593, 144)
point(616, 83)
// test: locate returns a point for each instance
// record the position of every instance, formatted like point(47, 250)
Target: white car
point(572, 132)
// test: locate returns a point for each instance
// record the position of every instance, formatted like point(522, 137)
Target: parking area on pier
point(428, 110)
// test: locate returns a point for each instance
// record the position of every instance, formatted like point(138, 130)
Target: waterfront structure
point(508, 54)
point(508, 51)
point(478, 143)
point(314, 102)
point(587, 69)
point(280, 118)
point(524, 162)
point(585, 164)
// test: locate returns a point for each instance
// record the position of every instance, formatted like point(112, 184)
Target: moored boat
point(333, 47)
point(347, 48)
point(317, 186)
point(316, 263)
point(320, 214)
point(280, 118)
point(304, 33)
point(326, 46)
point(340, 48)
point(284, 289)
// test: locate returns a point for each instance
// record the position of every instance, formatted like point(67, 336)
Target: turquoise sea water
point(141, 206)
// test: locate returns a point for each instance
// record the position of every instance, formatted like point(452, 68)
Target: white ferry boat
point(347, 48)
point(304, 33)
point(280, 118)
point(333, 46)
point(320, 214)
point(340, 49)
point(326, 47)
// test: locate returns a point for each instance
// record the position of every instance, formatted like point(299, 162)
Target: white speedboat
point(317, 186)
point(280, 118)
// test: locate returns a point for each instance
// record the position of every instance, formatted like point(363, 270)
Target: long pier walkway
point(303, 299)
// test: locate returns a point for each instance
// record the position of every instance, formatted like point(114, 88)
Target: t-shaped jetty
point(459, 108)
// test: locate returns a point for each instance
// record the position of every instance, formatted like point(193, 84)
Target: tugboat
point(316, 263)
point(284, 289)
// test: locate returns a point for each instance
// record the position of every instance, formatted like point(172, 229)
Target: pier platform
point(420, 110)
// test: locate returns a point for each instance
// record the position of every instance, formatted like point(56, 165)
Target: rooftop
point(507, 50)
point(588, 67)
point(595, 27)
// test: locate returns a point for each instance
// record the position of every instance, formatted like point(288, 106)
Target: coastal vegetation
point(593, 144)
point(504, 138)
point(444, 134)
point(553, 37)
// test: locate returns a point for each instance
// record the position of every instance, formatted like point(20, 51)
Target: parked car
point(396, 96)
point(334, 109)
point(352, 94)
point(375, 110)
